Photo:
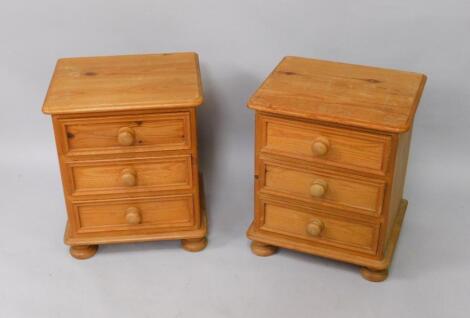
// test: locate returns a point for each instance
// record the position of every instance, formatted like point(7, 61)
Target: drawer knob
point(315, 227)
point(320, 146)
point(133, 216)
point(126, 136)
point(318, 188)
point(129, 177)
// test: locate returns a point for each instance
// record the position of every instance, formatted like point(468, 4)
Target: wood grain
point(97, 135)
point(358, 195)
point(126, 136)
point(354, 95)
point(347, 149)
point(129, 82)
point(339, 254)
point(155, 213)
point(120, 237)
point(151, 174)
point(398, 183)
point(294, 222)
point(331, 148)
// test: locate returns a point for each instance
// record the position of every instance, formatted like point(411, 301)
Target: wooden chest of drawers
point(332, 143)
point(125, 129)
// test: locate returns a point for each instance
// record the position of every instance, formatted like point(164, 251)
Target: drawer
point(157, 213)
point(325, 145)
point(130, 175)
point(324, 188)
point(299, 224)
point(118, 134)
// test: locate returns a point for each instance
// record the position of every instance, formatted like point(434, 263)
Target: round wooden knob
point(320, 146)
point(129, 177)
point(315, 227)
point(318, 188)
point(133, 215)
point(126, 136)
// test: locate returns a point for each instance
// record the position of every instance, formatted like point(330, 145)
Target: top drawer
point(326, 145)
point(118, 134)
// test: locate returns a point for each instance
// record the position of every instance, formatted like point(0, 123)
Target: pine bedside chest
point(332, 144)
point(125, 130)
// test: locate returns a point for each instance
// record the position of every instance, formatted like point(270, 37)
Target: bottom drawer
point(134, 214)
point(317, 228)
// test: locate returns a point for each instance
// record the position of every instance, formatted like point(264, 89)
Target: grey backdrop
point(239, 42)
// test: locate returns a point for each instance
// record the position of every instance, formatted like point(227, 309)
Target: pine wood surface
point(134, 236)
point(194, 245)
point(154, 212)
point(346, 148)
point(262, 249)
point(89, 135)
point(119, 83)
point(358, 195)
point(374, 275)
point(285, 220)
point(357, 258)
point(331, 149)
point(82, 252)
point(150, 173)
point(355, 95)
point(125, 130)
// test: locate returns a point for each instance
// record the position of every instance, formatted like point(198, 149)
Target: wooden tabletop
point(131, 82)
point(354, 95)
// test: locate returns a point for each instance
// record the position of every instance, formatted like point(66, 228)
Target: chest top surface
point(123, 83)
point(354, 95)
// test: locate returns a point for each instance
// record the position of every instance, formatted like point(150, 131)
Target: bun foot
point(374, 275)
point(194, 245)
point(262, 249)
point(83, 251)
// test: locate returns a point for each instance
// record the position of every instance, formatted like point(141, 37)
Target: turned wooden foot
point(83, 251)
point(374, 275)
point(262, 249)
point(194, 245)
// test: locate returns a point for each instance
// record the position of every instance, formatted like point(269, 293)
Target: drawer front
point(118, 134)
point(313, 227)
point(131, 215)
point(355, 194)
point(325, 145)
point(133, 175)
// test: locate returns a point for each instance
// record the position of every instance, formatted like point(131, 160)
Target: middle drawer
point(325, 188)
point(130, 175)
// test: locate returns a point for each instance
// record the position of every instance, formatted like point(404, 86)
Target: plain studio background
point(239, 43)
